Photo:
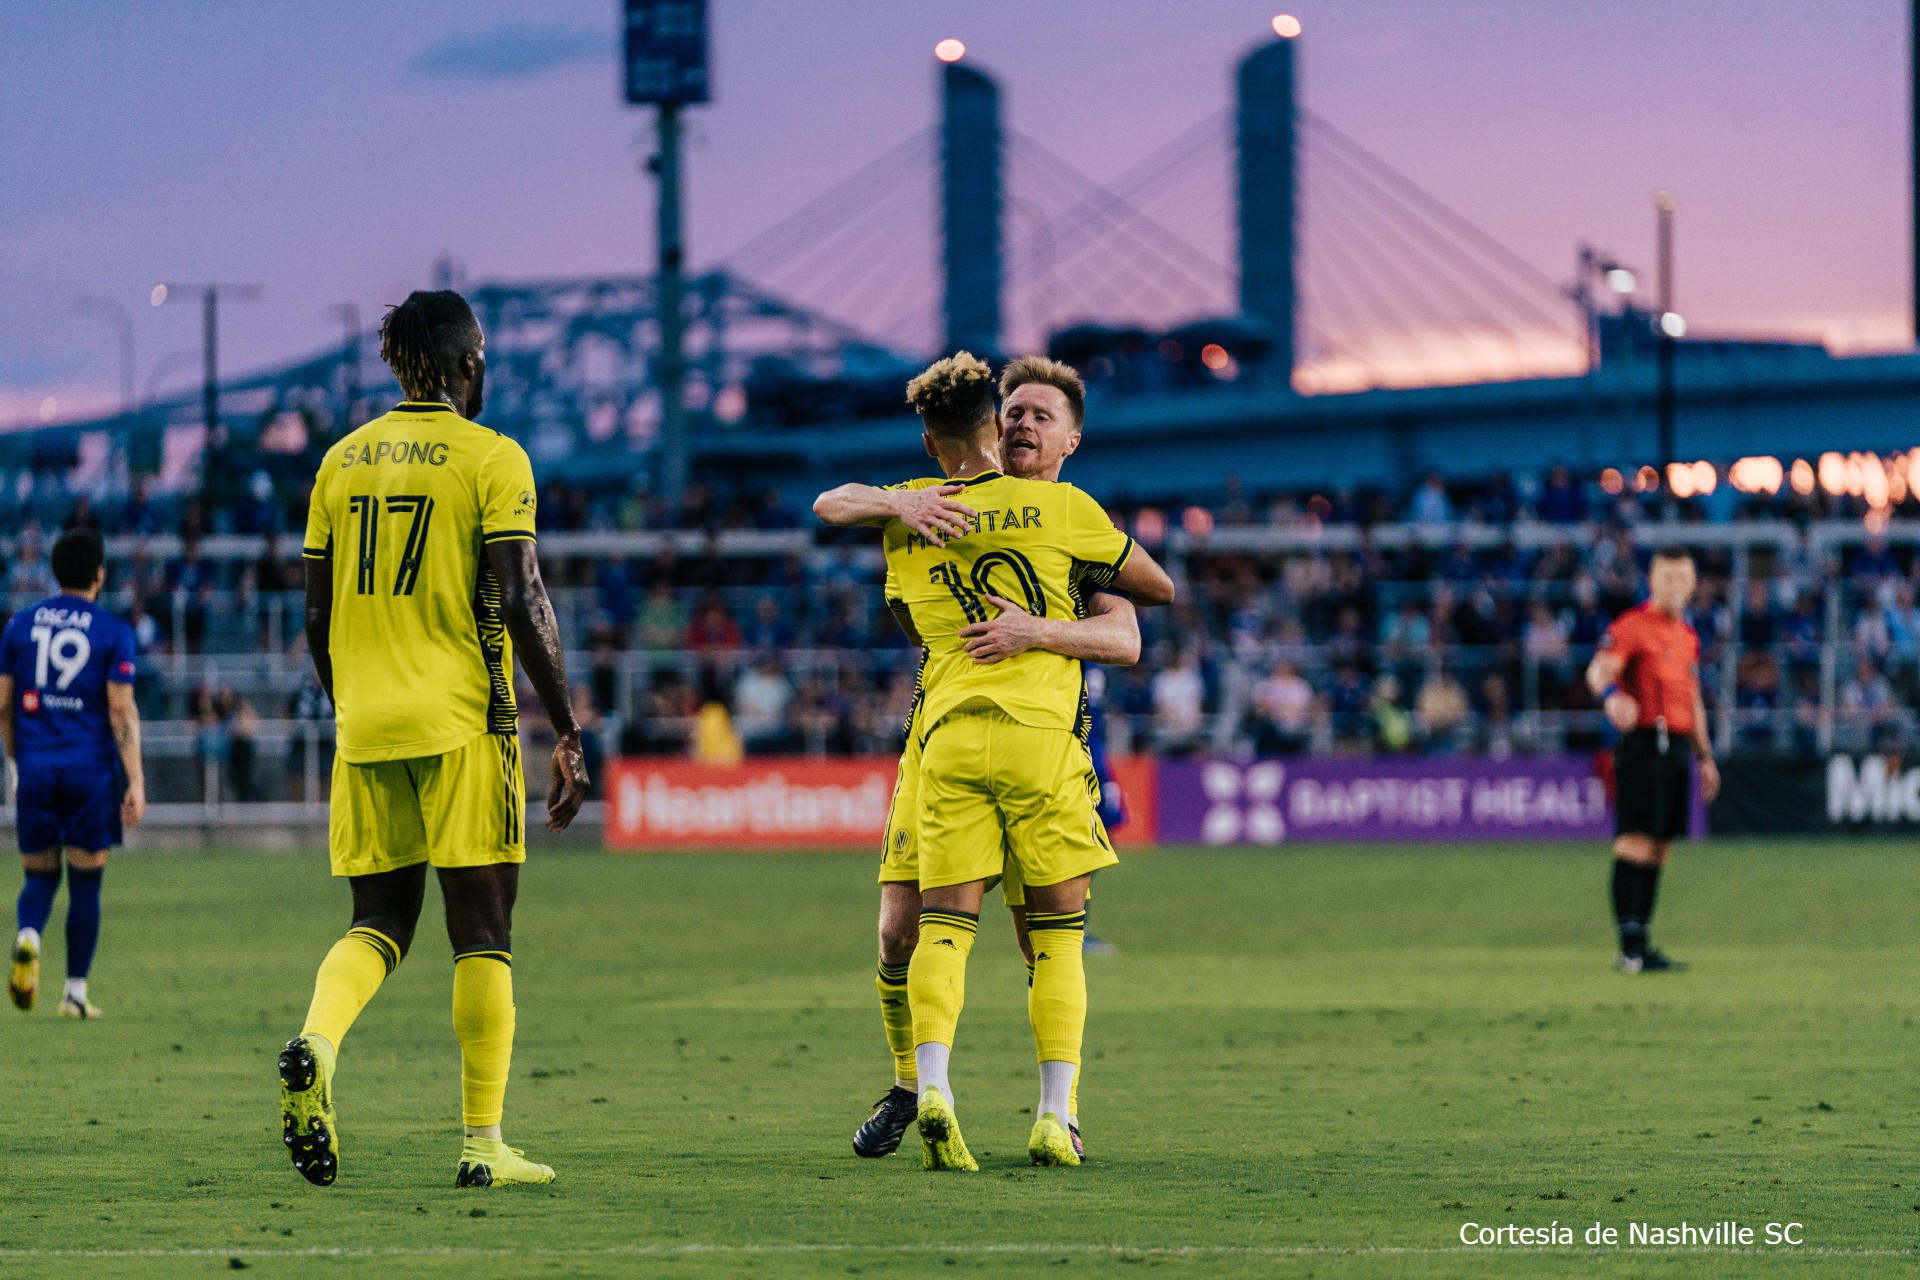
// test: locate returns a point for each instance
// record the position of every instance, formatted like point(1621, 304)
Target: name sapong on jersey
point(431, 452)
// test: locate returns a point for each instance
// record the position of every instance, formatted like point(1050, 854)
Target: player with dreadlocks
point(422, 584)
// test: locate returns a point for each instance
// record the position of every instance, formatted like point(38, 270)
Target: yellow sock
point(937, 977)
point(348, 977)
point(1073, 1094)
point(1057, 1001)
point(483, 1019)
point(896, 1013)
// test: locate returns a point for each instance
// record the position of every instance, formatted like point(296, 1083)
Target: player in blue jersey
point(1113, 802)
point(66, 719)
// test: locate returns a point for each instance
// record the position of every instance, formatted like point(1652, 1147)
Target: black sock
point(1650, 888)
point(1629, 893)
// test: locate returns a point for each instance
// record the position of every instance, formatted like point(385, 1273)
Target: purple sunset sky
point(333, 152)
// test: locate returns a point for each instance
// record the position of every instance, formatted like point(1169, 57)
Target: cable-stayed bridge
point(1262, 294)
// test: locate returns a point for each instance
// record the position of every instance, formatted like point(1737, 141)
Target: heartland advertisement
point(775, 804)
point(1355, 798)
point(791, 803)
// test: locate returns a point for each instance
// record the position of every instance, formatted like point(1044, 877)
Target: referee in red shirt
point(1647, 677)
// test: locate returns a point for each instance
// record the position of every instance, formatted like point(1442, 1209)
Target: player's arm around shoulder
point(1135, 573)
point(926, 507)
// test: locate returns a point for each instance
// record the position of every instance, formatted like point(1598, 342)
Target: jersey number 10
point(367, 507)
point(968, 597)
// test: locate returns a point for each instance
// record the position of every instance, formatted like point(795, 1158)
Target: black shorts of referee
point(1652, 785)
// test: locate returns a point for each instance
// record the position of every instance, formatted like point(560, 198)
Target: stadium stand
point(1452, 619)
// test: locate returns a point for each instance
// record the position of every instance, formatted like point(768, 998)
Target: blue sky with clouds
point(333, 152)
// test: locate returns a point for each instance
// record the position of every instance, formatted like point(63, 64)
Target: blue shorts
point(76, 805)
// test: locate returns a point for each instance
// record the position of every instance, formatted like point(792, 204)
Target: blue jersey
point(1113, 805)
point(61, 654)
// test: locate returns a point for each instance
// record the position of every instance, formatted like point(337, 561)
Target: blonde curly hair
point(954, 397)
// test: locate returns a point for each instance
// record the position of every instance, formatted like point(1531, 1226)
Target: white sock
point(77, 989)
point(1056, 1086)
point(27, 935)
point(931, 1059)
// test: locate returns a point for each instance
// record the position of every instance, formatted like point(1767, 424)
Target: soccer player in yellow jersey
point(1044, 412)
point(1006, 784)
point(422, 583)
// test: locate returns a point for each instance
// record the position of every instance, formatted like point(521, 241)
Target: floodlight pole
point(671, 286)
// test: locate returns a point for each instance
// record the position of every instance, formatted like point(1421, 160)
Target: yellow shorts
point(998, 795)
point(900, 854)
point(465, 808)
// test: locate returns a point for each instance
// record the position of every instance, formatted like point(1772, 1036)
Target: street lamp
point(348, 313)
point(122, 321)
point(209, 347)
point(1670, 327)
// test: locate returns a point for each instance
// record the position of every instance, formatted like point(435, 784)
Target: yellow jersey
point(1042, 545)
point(404, 508)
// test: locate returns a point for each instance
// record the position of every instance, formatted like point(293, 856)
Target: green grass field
point(1312, 1062)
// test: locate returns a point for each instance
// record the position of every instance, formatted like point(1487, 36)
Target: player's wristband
point(1612, 688)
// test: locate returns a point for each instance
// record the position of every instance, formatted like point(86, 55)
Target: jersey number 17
point(367, 506)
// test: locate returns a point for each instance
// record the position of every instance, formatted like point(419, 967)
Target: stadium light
point(157, 296)
point(1680, 479)
point(49, 408)
point(1800, 475)
point(950, 50)
point(1286, 26)
point(1215, 357)
point(1621, 281)
point(1673, 324)
point(1874, 486)
point(1756, 475)
point(1611, 481)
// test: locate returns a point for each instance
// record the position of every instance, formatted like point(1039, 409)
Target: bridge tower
point(970, 208)
point(1268, 173)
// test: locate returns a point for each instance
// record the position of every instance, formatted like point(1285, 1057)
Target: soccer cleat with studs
point(75, 1007)
point(308, 1125)
point(489, 1162)
point(941, 1146)
point(1051, 1143)
point(886, 1124)
point(23, 979)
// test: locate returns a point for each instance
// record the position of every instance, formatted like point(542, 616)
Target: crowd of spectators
point(1444, 642)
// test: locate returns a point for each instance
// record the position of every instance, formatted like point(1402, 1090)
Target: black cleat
point(886, 1124)
point(308, 1126)
point(1659, 962)
point(1079, 1147)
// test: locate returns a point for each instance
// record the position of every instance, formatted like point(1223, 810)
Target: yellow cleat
point(81, 1009)
point(941, 1146)
point(489, 1162)
point(23, 980)
point(306, 1109)
point(1050, 1143)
